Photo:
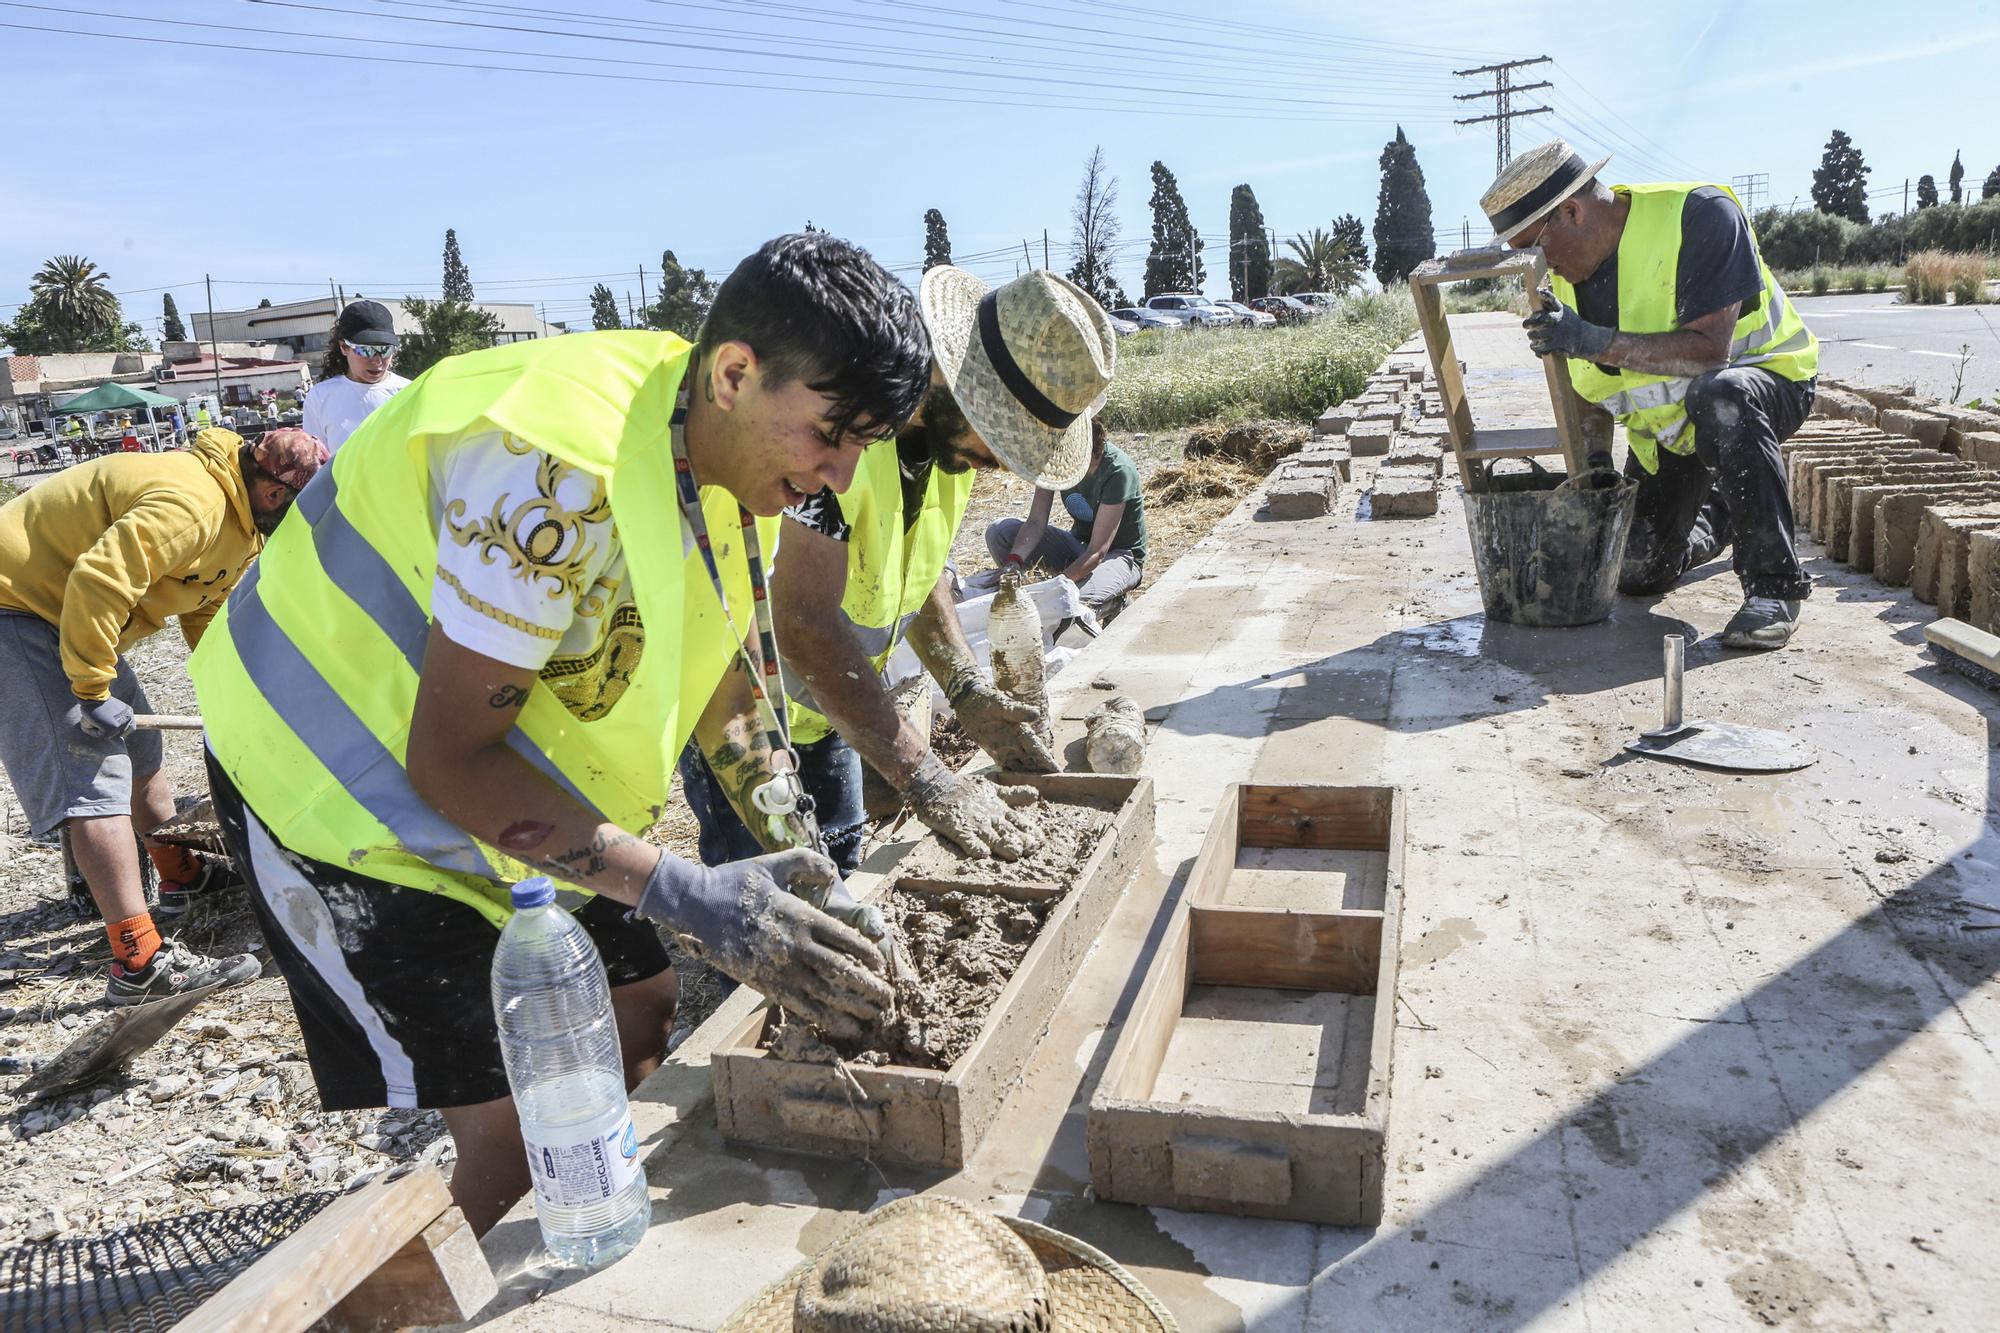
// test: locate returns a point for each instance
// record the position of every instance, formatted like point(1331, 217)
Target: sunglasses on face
point(369, 349)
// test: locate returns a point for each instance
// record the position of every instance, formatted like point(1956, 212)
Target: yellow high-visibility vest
point(891, 565)
point(308, 679)
point(1769, 332)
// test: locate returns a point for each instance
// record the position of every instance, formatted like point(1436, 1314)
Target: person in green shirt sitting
point(1104, 552)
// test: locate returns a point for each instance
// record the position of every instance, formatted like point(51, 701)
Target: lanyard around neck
point(783, 795)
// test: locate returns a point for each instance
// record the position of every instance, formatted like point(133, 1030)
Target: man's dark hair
point(820, 310)
point(1099, 437)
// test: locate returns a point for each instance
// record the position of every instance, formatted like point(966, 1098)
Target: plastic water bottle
point(1014, 630)
point(560, 1043)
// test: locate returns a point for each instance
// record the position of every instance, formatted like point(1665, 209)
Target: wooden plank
point(1142, 1043)
point(1444, 365)
point(305, 1275)
point(1355, 818)
point(1575, 448)
point(438, 1277)
point(1248, 946)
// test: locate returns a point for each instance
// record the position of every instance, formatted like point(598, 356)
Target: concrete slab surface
point(1676, 1048)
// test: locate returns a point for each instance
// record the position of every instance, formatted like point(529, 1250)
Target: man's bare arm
point(1693, 349)
point(737, 746)
point(936, 636)
point(807, 584)
point(459, 763)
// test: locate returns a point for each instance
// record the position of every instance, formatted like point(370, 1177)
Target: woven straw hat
point(1534, 183)
point(932, 1265)
point(1028, 363)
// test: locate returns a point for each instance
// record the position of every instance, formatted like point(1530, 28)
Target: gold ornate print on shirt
point(542, 539)
point(590, 684)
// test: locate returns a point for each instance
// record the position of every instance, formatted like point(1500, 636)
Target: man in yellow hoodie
point(92, 561)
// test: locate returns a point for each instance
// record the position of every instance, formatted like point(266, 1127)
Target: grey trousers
point(1116, 574)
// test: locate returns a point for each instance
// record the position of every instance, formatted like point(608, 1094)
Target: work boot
point(176, 896)
point(175, 968)
point(1761, 622)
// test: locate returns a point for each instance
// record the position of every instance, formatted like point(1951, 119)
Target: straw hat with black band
point(1027, 363)
point(927, 1264)
point(1533, 183)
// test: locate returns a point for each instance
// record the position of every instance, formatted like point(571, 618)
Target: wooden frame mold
point(1217, 1121)
point(929, 1117)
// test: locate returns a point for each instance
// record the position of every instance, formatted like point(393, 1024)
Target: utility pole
point(214, 352)
point(1906, 196)
point(1502, 92)
point(1045, 247)
point(1465, 233)
point(1751, 189)
point(631, 320)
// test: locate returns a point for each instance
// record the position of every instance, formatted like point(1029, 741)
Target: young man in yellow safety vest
point(1019, 369)
point(1673, 325)
point(477, 651)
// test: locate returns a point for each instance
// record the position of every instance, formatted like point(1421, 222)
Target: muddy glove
point(840, 905)
point(753, 921)
point(1556, 330)
point(101, 719)
point(1005, 728)
point(975, 814)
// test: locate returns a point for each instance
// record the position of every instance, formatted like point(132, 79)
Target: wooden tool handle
point(167, 721)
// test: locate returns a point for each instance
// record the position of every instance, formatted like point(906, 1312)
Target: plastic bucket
point(1548, 554)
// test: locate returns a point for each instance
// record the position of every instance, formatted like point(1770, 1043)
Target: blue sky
point(706, 126)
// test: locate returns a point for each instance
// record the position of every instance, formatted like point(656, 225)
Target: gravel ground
point(223, 1110)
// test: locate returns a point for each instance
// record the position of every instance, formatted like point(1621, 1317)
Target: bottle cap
point(537, 892)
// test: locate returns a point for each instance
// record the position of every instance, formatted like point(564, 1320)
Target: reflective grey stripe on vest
point(873, 640)
point(363, 574)
point(341, 742)
point(1663, 392)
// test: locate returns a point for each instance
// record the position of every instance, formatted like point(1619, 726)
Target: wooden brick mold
point(1253, 1074)
point(929, 1117)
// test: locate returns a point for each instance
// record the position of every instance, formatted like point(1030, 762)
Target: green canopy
point(111, 397)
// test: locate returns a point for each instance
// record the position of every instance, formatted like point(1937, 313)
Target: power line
point(1502, 93)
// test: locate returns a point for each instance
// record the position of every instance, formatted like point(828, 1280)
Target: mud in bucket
point(1547, 553)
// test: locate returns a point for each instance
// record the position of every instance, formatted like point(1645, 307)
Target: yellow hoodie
point(107, 550)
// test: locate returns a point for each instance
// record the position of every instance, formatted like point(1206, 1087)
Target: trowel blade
point(111, 1043)
point(1728, 745)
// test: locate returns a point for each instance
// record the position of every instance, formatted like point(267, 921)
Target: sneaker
point(177, 897)
point(174, 969)
point(1761, 622)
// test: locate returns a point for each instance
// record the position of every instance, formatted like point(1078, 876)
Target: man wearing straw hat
point(1018, 371)
point(1673, 325)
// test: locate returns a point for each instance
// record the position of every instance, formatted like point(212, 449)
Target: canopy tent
point(112, 397)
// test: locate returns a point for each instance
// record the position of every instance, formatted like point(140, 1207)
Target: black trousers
point(1732, 486)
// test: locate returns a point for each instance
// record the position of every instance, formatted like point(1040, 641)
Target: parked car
point(1196, 307)
point(1321, 301)
point(1287, 309)
point(1254, 318)
point(1147, 318)
point(1123, 327)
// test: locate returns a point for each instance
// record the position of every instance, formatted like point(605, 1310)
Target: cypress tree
point(1353, 237)
point(1403, 237)
point(1957, 175)
point(1174, 262)
point(171, 328)
point(457, 281)
point(604, 309)
point(937, 242)
point(1840, 184)
point(1249, 247)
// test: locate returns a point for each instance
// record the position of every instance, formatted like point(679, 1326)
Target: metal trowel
point(1713, 744)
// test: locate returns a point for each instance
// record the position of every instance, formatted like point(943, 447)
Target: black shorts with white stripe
point(392, 985)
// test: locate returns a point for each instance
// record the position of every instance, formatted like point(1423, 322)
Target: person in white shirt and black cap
point(356, 378)
point(1673, 325)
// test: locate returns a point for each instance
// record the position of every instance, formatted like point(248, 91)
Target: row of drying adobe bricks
point(1905, 491)
point(1397, 417)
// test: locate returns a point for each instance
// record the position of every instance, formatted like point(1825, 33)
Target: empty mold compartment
point(1253, 1074)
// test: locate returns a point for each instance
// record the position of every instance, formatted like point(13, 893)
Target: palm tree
point(1319, 262)
point(73, 298)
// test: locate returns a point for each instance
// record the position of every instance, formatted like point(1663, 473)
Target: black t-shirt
point(1718, 265)
point(822, 514)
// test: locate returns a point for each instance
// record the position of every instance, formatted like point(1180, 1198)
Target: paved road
point(1873, 340)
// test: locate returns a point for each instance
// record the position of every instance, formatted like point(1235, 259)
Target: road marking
point(1876, 347)
point(1918, 351)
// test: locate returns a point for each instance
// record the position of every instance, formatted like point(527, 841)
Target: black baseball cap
point(365, 322)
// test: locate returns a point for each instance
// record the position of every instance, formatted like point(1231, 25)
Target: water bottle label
point(579, 1165)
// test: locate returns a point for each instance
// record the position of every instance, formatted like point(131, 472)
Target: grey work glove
point(1556, 330)
point(753, 921)
point(101, 719)
point(977, 815)
point(1005, 728)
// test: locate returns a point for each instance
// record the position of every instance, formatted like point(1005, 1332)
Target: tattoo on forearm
point(591, 860)
point(524, 835)
point(508, 696)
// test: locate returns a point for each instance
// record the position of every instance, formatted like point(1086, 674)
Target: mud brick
point(1321, 452)
point(1371, 439)
point(1841, 404)
point(1335, 420)
point(1408, 451)
point(1924, 427)
point(1298, 493)
point(1403, 492)
point(1982, 561)
point(1941, 534)
point(1864, 503)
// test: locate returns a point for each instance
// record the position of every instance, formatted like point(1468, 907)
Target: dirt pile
point(1256, 444)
